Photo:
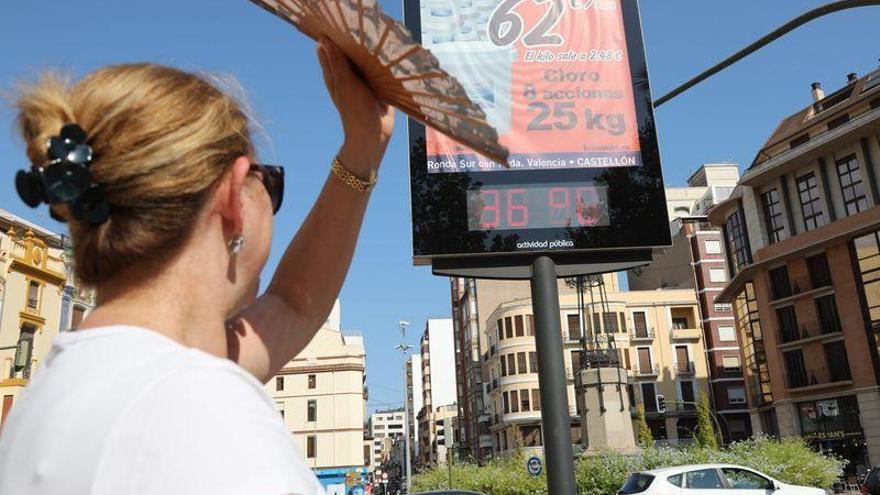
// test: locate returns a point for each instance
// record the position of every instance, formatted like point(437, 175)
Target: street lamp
point(404, 348)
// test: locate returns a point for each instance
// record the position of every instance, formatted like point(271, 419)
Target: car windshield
point(636, 483)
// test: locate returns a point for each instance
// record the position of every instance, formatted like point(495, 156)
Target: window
point(33, 301)
point(675, 480)
point(511, 364)
point(736, 395)
point(574, 326)
point(820, 273)
point(713, 247)
point(500, 329)
point(839, 121)
point(686, 388)
point(311, 446)
point(826, 309)
point(533, 362)
point(703, 479)
point(851, 185)
point(740, 479)
point(640, 322)
point(503, 366)
point(514, 401)
point(279, 383)
point(636, 483)
point(721, 307)
point(575, 361)
point(536, 399)
point(679, 323)
point(788, 325)
point(508, 327)
point(731, 364)
point(780, 285)
point(531, 329)
point(520, 328)
point(312, 381)
point(738, 251)
point(312, 410)
point(77, 318)
point(866, 250)
point(795, 370)
point(773, 220)
point(649, 397)
point(838, 362)
point(726, 334)
point(610, 321)
point(811, 204)
point(803, 139)
point(521, 363)
point(717, 275)
point(524, 400)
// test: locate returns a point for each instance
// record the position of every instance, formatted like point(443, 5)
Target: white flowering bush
point(790, 461)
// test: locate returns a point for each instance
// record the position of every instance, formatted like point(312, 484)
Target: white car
point(709, 479)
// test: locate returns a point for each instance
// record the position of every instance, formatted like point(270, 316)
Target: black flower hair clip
point(66, 179)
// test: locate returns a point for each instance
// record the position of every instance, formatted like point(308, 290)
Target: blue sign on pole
point(534, 465)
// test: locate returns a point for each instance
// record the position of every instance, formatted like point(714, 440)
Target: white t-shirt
point(124, 411)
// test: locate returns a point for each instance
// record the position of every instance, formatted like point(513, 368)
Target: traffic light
point(661, 404)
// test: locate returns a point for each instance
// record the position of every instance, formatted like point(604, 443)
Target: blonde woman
point(160, 390)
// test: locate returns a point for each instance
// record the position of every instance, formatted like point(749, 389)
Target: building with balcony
point(697, 261)
point(656, 335)
point(802, 232)
point(437, 354)
point(38, 299)
point(322, 397)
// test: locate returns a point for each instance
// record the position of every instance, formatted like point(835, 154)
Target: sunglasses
point(272, 177)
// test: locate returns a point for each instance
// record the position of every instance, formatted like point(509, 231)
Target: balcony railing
point(686, 368)
point(642, 334)
point(809, 379)
point(790, 335)
point(650, 370)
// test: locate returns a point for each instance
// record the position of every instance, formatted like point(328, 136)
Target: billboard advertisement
point(565, 84)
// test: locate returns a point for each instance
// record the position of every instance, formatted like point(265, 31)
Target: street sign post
point(565, 84)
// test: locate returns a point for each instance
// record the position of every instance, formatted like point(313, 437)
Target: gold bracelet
point(352, 180)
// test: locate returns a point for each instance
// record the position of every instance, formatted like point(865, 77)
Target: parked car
point(709, 479)
point(871, 486)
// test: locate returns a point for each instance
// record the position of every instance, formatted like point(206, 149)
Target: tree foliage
point(705, 432)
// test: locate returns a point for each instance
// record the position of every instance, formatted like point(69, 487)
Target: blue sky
point(724, 119)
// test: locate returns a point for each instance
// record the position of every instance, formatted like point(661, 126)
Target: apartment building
point(321, 395)
point(802, 232)
point(658, 339)
point(38, 299)
point(386, 428)
point(437, 352)
point(697, 260)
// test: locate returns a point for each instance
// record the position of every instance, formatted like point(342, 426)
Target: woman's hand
point(367, 122)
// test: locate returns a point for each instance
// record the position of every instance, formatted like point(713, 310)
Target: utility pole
point(405, 348)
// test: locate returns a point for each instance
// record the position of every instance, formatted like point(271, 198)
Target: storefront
point(833, 426)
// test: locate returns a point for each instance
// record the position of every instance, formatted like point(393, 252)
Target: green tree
point(705, 432)
point(646, 439)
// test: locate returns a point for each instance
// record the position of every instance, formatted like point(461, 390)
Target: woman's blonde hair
point(162, 138)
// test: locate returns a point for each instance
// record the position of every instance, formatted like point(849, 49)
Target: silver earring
point(236, 244)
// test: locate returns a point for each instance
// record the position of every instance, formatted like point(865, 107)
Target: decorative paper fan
point(400, 71)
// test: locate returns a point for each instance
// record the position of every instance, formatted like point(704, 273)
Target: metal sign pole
point(551, 379)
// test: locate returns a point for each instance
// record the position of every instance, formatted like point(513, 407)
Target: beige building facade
point(657, 337)
point(322, 397)
point(38, 299)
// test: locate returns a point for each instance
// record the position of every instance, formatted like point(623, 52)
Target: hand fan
point(399, 71)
